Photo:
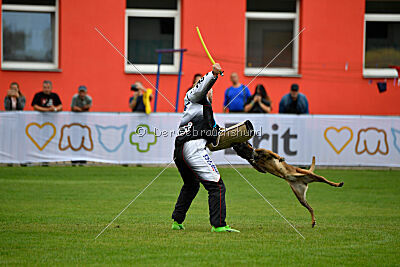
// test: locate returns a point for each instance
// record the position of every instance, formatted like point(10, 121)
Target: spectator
point(294, 102)
point(236, 95)
point(81, 101)
point(136, 101)
point(14, 100)
point(46, 100)
point(196, 78)
point(259, 102)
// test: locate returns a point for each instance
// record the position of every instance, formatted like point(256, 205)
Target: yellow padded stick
point(205, 49)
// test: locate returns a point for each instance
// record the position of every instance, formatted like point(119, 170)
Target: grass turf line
point(51, 216)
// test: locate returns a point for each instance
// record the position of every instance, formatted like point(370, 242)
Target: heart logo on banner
point(337, 139)
point(34, 124)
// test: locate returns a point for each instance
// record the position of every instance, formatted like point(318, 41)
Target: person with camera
point(259, 102)
point(137, 102)
point(14, 99)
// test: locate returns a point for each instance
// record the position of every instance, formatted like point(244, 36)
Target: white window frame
point(27, 65)
point(273, 71)
point(378, 72)
point(157, 13)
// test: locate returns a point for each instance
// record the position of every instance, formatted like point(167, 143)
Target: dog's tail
point(312, 167)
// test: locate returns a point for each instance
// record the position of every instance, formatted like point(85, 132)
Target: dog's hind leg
point(300, 189)
point(318, 178)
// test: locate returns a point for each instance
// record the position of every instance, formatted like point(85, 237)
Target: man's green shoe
point(226, 228)
point(177, 226)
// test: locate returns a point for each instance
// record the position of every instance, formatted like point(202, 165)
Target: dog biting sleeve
point(245, 150)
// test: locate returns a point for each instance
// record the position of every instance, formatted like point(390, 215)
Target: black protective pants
point(191, 180)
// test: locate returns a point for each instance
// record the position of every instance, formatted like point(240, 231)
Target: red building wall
point(333, 37)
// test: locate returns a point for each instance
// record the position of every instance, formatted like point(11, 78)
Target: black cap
point(294, 87)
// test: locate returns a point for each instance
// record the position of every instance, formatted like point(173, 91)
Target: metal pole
point(157, 81)
point(179, 83)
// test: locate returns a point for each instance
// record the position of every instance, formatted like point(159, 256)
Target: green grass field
point(51, 215)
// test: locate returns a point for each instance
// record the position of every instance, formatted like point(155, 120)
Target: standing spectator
point(294, 102)
point(236, 96)
point(81, 101)
point(46, 100)
point(259, 102)
point(136, 101)
point(14, 99)
point(196, 78)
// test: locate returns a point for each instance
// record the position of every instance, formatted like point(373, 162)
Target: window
point(151, 25)
point(29, 35)
point(270, 26)
point(381, 38)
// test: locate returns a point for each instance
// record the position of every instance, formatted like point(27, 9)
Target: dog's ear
point(247, 143)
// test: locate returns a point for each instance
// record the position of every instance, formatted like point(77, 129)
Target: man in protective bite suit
point(197, 129)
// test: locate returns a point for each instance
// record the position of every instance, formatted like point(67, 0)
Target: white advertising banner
point(139, 138)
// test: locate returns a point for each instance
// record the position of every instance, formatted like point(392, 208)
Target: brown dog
point(267, 161)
